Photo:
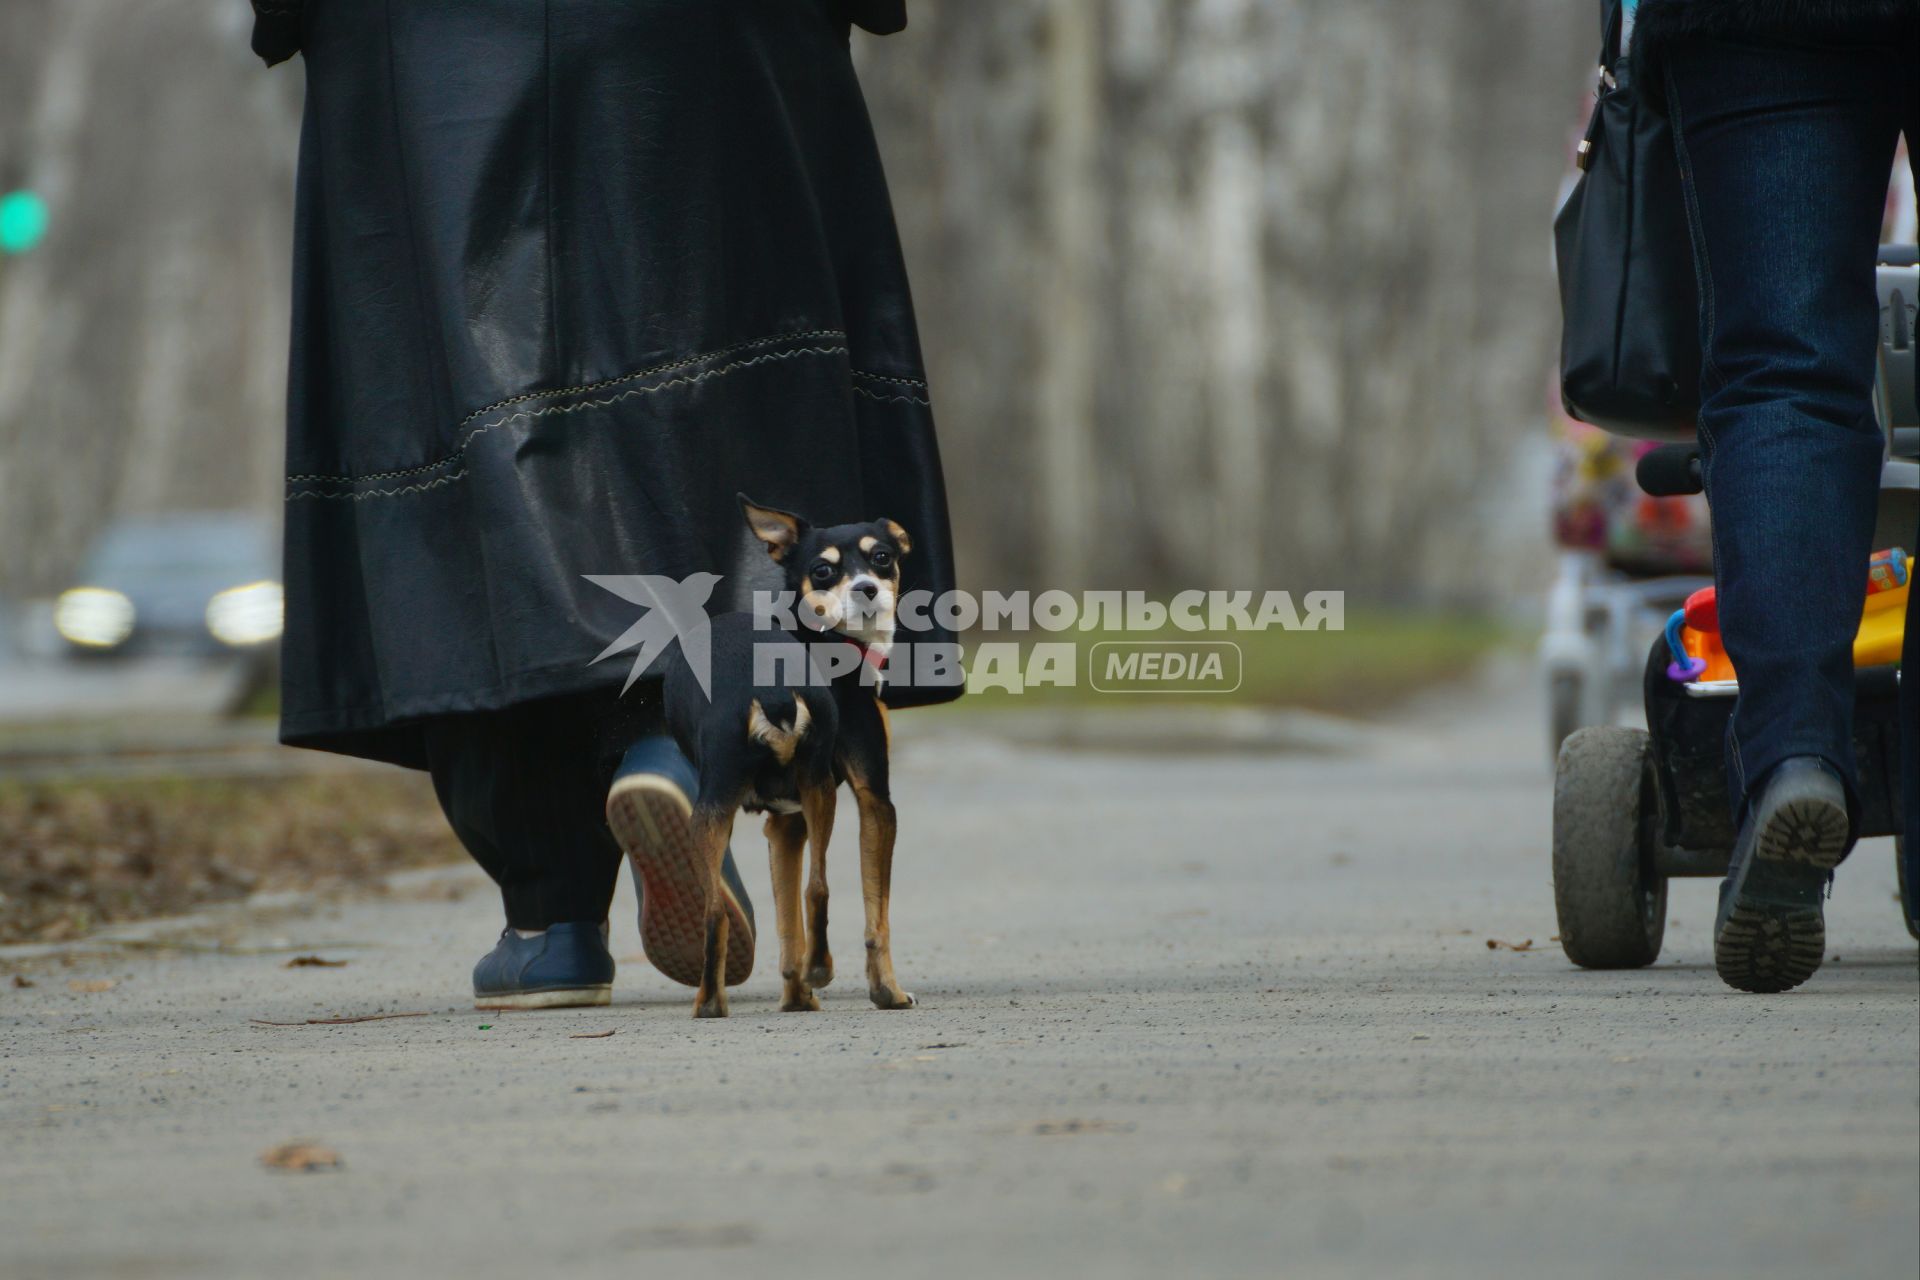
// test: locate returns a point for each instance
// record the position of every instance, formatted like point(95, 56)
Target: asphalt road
point(1207, 1014)
point(35, 688)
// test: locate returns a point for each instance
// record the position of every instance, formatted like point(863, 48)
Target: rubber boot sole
point(570, 998)
point(1774, 934)
point(650, 817)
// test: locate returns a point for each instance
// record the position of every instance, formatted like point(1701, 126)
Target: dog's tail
point(780, 729)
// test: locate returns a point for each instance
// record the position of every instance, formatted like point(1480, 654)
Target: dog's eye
point(880, 558)
point(824, 573)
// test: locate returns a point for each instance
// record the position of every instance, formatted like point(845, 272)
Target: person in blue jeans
point(1786, 117)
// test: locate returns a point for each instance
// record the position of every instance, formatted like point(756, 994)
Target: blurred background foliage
point(1229, 294)
point(1214, 292)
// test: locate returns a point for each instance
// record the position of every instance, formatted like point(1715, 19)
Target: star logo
point(676, 610)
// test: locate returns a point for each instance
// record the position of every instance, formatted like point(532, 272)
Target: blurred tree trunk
point(1323, 311)
point(1068, 379)
point(143, 343)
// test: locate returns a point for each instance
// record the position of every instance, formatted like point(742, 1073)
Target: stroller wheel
point(1611, 902)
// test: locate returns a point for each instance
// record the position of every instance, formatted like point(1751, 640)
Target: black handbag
point(1629, 304)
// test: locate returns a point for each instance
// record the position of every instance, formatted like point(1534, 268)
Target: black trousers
point(525, 789)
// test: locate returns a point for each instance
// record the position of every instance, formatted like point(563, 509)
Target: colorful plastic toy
point(1693, 632)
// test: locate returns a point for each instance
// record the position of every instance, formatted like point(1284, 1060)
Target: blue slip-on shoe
point(1770, 934)
point(567, 966)
point(649, 808)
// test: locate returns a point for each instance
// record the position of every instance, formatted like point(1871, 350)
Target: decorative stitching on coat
point(692, 379)
point(568, 391)
point(735, 349)
point(873, 395)
point(381, 493)
point(459, 453)
point(883, 377)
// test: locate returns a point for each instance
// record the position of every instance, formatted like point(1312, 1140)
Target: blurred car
point(203, 583)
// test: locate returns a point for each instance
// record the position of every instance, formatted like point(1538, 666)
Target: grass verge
point(82, 854)
point(1379, 659)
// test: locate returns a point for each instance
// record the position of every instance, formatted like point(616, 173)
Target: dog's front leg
point(786, 849)
point(877, 829)
point(710, 831)
point(817, 806)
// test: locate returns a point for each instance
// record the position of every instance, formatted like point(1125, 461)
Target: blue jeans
point(1784, 153)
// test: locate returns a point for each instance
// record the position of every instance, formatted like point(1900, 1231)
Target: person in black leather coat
point(567, 278)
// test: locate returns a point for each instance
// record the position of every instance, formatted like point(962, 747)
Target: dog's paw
point(891, 998)
point(800, 1002)
point(713, 1008)
point(821, 974)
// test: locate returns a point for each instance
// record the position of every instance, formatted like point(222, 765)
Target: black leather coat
point(1659, 24)
point(278, 24)
point(567, 277)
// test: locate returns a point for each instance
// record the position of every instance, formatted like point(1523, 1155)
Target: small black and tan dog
point(779, 736)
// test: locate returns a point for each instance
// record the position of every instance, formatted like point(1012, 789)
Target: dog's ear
point(780, 530)
point(899, 535)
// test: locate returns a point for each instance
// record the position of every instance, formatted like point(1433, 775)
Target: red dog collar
point(868, 654)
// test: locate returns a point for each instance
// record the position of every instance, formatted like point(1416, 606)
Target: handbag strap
point(1612, 20)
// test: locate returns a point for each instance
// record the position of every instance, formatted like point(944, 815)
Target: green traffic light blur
point(23, 221)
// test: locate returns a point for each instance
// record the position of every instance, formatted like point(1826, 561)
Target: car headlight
point(93, 617)
point(253, 614)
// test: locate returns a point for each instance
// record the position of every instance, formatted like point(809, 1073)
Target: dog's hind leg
point(816, 806)
point(710, 828)
point(878, 827)
point(786, 850)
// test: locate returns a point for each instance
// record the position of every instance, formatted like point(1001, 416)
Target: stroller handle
point(1670, 471)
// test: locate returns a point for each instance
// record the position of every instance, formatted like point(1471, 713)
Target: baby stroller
point(1634, 807)
point(1627, 560)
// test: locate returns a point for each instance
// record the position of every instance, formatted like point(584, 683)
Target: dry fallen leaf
point(21, 982)
point(300, 1156)
point(1494, 944)
point(1053, 1128)
point(84, 985)
point(590, 1035)
point(690, 1235)
point(312, 962)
